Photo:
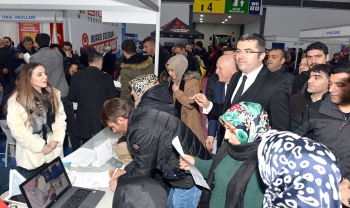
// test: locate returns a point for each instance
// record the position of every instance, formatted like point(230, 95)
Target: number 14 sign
point(209, 6)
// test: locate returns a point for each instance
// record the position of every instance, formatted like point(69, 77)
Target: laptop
point(15, 195)
point(51, 187)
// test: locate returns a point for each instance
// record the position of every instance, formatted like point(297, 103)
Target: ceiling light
point(225, 19)
point(201, 15)
point(229, 16)
point(201, 21)
point(200, 18)
point(223, 22)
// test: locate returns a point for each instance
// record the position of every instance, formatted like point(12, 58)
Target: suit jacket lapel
point(254, 89)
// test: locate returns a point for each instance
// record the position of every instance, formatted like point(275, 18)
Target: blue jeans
point(184, 198)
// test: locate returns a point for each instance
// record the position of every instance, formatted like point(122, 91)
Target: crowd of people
point(281, 130)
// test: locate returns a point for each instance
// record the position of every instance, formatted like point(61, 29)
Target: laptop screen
point(46, 186)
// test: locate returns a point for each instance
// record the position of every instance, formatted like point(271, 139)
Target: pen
point(115, 172)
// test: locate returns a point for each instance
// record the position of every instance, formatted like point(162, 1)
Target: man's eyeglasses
point(246, 52)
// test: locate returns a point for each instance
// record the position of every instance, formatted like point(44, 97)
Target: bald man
point(225, 69)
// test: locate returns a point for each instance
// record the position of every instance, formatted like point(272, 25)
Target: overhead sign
point(227, 6)
point(209, 6)
point(243, 7)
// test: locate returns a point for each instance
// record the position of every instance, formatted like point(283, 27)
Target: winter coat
point(204, 55)
point(164, 57)
point(139, 192)
point(298, 103)
point(53, 64)
point(330, 127)
point(109, 65)
point(159, 98)
point(6, 61)
point(90, 88)
point(29, 145)
point(133, 67)
point(149, 137)
point(190, 114)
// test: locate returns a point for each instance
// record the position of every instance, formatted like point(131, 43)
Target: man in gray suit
point(53, 64)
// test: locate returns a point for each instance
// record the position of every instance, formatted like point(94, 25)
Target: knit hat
point(141, 84)
point(179, 63)
point(107, 48)
point(246, 120)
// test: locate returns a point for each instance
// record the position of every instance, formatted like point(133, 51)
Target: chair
point(9, 140)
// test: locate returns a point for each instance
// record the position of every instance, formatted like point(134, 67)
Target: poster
point(28, 29)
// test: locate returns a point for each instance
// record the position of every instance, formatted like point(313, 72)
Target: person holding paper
point(149, 134)
point(36, 118)
point(233, 175)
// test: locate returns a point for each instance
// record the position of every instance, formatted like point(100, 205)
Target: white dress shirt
point(250, 80)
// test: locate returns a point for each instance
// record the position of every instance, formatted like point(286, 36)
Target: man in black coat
point(26, 46)
point(202, 53)
point(253, 83)
point(90, 88)
point(6, 66)
point(149, 134)
point(149, 46)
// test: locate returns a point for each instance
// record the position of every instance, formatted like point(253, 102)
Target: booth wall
point(9, 29)
point(288, 21)
point(252, 27)
point(168, 12)
point(220, 29)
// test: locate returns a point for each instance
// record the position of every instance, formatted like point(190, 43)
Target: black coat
point(204, 55)
point(269, 90)
point(149, 138)
point(20, 49)
point(164, 56)
point(159, 98)
point(90, 88)
point(6, 61)
point(300, 82)
point(139, 192)
point(109, 65)
point(192, 63)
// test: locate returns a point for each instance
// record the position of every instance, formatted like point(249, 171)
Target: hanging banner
point(28, 29)
point(59, 27)
point(90, 31)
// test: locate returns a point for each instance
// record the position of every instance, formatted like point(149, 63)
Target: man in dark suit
point(254, 83)
point(90, 88)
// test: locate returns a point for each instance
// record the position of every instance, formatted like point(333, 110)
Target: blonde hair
point(200, 61)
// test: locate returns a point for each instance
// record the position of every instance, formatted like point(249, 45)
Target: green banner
point(236, 6)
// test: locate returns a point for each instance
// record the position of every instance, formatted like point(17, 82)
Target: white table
point(107, 199)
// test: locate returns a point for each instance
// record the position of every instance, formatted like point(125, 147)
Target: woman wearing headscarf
point(148, 93)
point(183, 85)
point(233, 175)
point(298, 172)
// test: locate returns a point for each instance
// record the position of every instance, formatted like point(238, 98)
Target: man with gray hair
point(253, 83)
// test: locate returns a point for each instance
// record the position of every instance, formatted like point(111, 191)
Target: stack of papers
point(81, 157)
point(92, 179)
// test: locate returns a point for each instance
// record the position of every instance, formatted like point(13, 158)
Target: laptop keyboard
point(76, 199)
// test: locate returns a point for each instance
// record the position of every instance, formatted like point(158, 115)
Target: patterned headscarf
point(298, 172)
point(249, 120)
point(141, 84)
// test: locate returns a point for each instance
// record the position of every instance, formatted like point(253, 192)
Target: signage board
point(209, 6)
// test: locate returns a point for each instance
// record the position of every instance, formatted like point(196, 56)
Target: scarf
point(141, 84)
point(179, 64)
point(247, 121)
point(297, 171)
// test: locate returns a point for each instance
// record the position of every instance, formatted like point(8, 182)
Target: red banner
point(59, 27)
point(28, 29)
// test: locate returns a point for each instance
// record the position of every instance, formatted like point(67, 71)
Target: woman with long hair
point(36, 118)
